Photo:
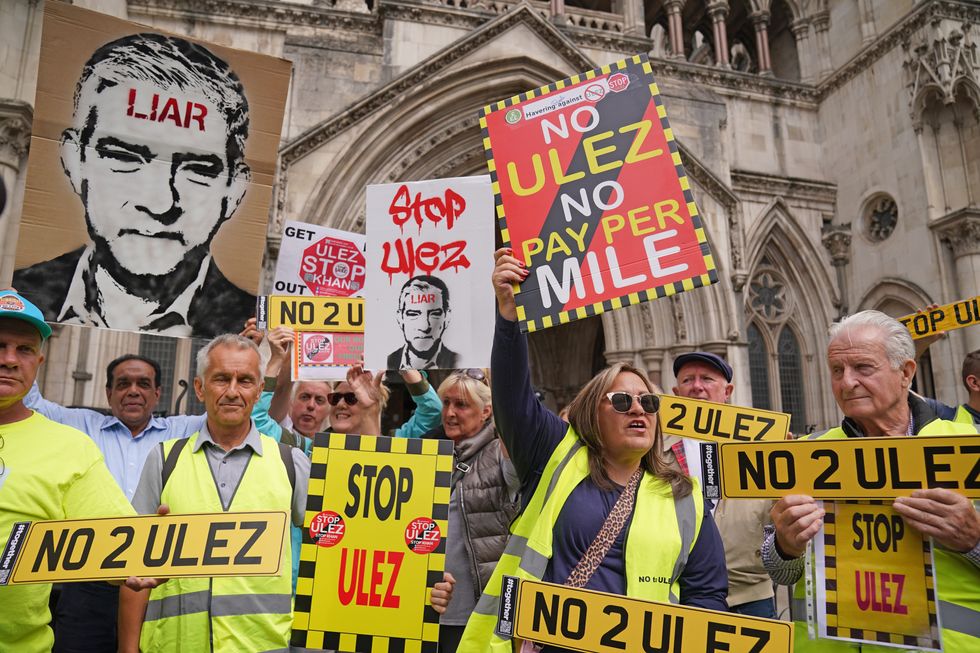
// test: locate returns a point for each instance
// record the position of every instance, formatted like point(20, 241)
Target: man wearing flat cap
point(707, 376)
point(47, 471)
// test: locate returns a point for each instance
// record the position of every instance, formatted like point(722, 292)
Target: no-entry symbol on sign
point(332, 267)
point(594, 93)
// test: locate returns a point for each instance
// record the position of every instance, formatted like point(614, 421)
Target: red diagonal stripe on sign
point(526, 214)
point(645, 183)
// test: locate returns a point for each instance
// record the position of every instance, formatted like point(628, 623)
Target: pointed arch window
point(759, 368)
point(790, 368)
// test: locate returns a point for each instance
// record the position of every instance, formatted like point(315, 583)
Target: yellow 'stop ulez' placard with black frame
point(597, 622)
point(591, 194)
point(374, 541)
point(153, 546)
point(852, 468)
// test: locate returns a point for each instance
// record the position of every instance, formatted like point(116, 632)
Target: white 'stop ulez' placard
point(319, 261)
point(429, 257)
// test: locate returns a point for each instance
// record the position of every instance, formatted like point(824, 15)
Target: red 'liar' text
point(169, 111)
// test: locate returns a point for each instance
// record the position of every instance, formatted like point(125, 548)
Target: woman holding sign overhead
point(602, 510)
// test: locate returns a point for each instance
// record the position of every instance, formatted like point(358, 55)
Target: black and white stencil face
point(153, 164)
point(423, 316)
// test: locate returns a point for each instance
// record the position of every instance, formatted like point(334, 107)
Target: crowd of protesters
point(598, 498)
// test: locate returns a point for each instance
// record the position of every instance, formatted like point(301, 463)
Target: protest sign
point(374, 540)
point(319, 261)
point(852, 468)
point(944, 318)
point(592, 196)
point(150, 175)
point(318, 314)
point(874, 578)
point(597, 622)
point(430, 253)
point(319, 356)
point(171, 546)
point(717, 422)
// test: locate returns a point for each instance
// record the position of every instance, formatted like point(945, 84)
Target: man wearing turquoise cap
point(47, 470)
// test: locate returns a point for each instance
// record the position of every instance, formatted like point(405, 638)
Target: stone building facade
point(834, 148)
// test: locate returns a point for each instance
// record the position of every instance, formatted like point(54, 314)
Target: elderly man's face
point(20, 356)
point(152, 174)
point(864, 383)
point(231, 385)
point(423, 317)
point(309, 408)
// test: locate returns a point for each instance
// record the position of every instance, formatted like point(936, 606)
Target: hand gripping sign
point(597, 622)
point(592, 196)
point(874, 578)
point(321, 262)
point(374, 542)
point(944, 318)
point(172, 546)
point(855, 468)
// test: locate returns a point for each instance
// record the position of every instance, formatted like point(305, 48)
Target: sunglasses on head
point(349, 398)
point(623, 401)
point(474, 373)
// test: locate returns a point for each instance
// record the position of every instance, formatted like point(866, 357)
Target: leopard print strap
point(615, 521)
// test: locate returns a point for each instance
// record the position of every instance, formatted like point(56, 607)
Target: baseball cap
point(16, 307)
point(714, 360)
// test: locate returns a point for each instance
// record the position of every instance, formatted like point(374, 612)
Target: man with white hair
point(871, 359)
point(227, 466)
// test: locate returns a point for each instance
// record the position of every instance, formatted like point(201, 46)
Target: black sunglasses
point(349, 398)
point(623, 401)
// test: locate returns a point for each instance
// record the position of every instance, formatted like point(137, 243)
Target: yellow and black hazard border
point(304, 638)
point(830, 585)
point(564, 317)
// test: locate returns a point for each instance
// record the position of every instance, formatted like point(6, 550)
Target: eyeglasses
point(474, 373)
point(622, 402)
point(349, 398)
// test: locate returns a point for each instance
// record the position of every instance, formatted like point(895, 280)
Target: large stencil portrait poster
point(429, 254)
point(150, 176)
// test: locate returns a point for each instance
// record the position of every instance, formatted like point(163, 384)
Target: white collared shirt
point(120, 309)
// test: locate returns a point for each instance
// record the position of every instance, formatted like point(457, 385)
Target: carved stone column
point(760, 20)
point(801, 32)
point(821, 29)
point(837, 240)
point(960, 231)
point(557, 8)
point(623, 356)
point(653, 360)
point(869, 31)
point(15, 138)
point(633, 19)
point(676, 28)
point(718, 10)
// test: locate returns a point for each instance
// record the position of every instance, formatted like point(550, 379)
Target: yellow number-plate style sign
point(709, 420)
point(333, 314)
point(225, 544)
point(855, 468)
point(944, 318)
point(874, 578)
point(597, 622)
point(374, 541)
